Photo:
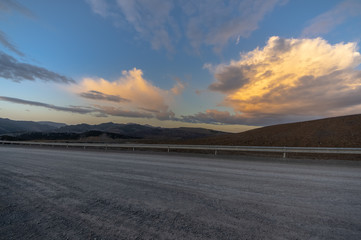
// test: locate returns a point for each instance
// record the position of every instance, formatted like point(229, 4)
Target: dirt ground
point(77, 194)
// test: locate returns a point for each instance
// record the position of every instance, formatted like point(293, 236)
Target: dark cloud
point(96, 95)
point(6, 42)
point(16, 71)
point(72, 109)
point(230, 79)
point(99, 111)
point(149, 110)
point(161, 114)
point(96, 110)
point(147, 113)
point(165, 115)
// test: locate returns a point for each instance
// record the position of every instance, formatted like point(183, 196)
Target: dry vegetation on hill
point(342, 131)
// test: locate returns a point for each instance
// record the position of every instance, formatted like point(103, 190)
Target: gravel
point(77, 194)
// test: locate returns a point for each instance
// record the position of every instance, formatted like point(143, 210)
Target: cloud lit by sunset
point(292, 77)
point(134, 92)
point(221, 64)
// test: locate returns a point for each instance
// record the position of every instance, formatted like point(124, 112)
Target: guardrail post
point(133, 149)
point(168, 148)
point(84, 147)
point(106, 147)
point(215, 152)
point(284, 152)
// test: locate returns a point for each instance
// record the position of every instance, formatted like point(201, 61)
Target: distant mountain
point(25, 130)
point(53, 124)
point(344, 131)
point(8, 126)
point(142, 131)
point(91, 136)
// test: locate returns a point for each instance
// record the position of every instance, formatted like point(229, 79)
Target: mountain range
point(8, 126)
point(343, 131)
point(28, 130)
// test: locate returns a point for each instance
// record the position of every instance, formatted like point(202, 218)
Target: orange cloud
point(292, 77)
point(135, 93)
point(178, 87)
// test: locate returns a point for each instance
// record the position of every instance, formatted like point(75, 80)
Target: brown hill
point(342, 131)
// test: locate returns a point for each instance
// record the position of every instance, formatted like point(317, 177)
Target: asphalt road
point(71, 194)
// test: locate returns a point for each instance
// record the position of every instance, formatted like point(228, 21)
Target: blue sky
point(227, 65)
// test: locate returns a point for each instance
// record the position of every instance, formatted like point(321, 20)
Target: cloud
point(8, 6)
point(327, 21)
point(213, 23)
point(140, 98)
point(116, 111)
point(74, 109)
point(231, 79)
point(96, 95)
point(291, 79)
point(96, 110)
point(139, 93)
point(16, 71)
point(212, 116)
point(152, 20)
point(11, 5)
point(6, 42)
point(178, 88)
point(100, 7)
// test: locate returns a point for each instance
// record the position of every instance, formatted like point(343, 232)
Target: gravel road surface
point(77, 194)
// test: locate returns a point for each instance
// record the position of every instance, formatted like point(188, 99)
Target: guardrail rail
point(214, 148)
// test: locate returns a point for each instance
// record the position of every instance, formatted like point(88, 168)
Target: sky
point(227, 65)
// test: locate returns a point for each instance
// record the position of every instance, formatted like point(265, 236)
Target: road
point(77, 194)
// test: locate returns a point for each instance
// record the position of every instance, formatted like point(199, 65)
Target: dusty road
point(60, 194)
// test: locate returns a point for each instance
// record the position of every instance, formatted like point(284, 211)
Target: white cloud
point(214, 23)
point(165, 22)
point(325, 22)
point(151, 19)
point(292, 78)
point(100, 7)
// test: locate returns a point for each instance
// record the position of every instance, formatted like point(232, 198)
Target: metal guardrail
point(213, 148)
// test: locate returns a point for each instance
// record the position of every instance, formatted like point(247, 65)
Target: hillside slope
point(344, 131)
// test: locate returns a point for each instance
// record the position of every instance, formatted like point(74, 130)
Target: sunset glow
point(227, 65)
